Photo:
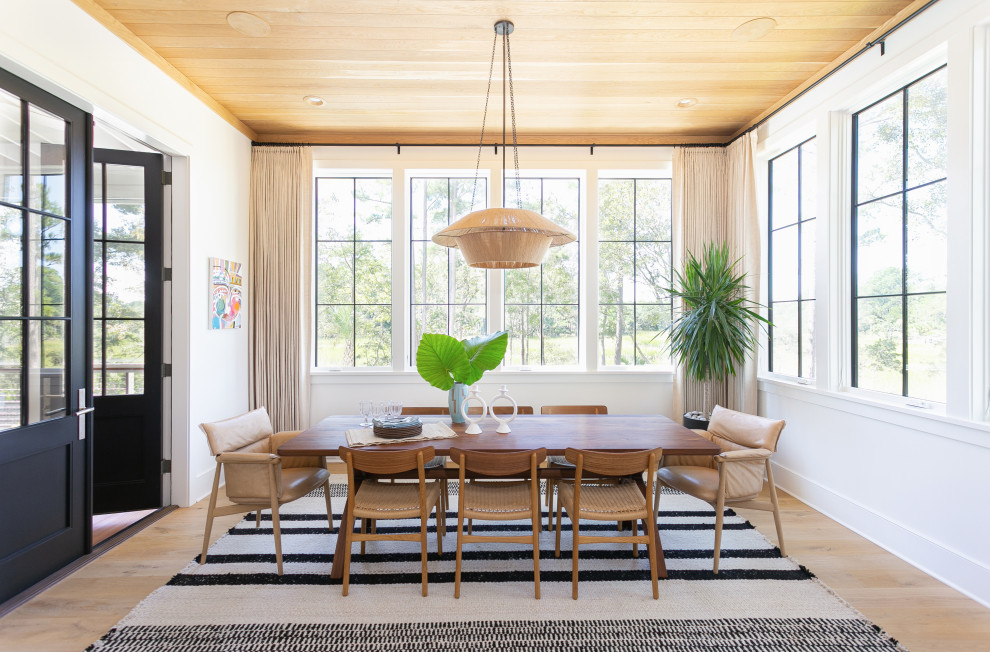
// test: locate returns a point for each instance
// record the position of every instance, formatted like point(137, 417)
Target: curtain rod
point(256, 143)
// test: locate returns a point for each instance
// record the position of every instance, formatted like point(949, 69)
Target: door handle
point(82, 412)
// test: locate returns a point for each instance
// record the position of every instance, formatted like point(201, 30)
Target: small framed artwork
point(226, 300)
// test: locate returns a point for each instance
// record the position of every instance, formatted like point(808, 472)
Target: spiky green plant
point(714, 330)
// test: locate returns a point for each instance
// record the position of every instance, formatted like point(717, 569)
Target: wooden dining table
point(613, 433)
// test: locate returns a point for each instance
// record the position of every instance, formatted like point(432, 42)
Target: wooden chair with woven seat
point(733, 478)
point(439, 461)
point(559, 461)
point(618, 502)
point(246, 450)
point(377, 500)
point(499, 500)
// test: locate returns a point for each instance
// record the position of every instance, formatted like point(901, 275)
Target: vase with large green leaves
point(715, 329)
point(452, 365)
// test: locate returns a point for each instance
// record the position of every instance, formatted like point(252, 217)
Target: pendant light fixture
point(503, 238)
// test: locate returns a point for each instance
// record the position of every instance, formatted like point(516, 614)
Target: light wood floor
point(107, 525)
point(920, 612)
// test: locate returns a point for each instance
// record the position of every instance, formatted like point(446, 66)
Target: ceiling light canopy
point(685, 102)
point(248, 24)
point(754, 29)
point(503, 238)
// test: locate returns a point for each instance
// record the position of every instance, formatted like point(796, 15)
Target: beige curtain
point(714, 199)
point(281, 217)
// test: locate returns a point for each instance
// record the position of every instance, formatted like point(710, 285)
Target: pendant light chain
point(484, 118)
point(512, 104)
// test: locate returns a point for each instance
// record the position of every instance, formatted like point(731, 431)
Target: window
point(899, 242)
point(792, 261)
point(634, 262)
point(34, 226)
point(447, 296)
point(353, 272)
point(541, 303)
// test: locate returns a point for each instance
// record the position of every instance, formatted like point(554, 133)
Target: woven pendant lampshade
point(503, 238)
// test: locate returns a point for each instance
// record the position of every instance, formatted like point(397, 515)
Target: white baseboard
point(948, 566)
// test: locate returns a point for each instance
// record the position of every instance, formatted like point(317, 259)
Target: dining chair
point(559, 461)
point(377, 500)
point(499, 500)
point(616, 502)
point(246, 450)
point(733, 478)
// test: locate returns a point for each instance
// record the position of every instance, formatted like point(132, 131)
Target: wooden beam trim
point(122, 32)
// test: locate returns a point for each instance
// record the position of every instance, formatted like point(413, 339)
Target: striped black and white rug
point(237, 603)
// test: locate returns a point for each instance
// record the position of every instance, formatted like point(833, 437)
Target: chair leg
point(441, 518)
point(257, 518)
point(776, 511)
point(556, 549)
point(422, 552)
point(209, 515)
point(719, 516)
point(551, 485)
point(537, 528)
point(575, 524)
point(656, 500)
point(470, 526)
point(326, 495)
point(278, 535)
point(457, 568)
point(347, 531)
point(364, 530)
point(652, 550)
point(635, 532)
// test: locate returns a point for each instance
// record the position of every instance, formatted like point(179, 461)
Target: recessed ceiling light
point(754, 29)
point(314, 100)
point(248, 24)
point(685, 102)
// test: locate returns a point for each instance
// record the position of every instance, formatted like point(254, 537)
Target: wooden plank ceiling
point(416, 71)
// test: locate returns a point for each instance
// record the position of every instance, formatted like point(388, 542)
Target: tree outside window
point(447, 295)
point(353, 272)
point(793, 183)
point(634, 263)
point(541, 303)
point(899, 251)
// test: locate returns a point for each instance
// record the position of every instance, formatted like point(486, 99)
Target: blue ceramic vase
point(455, 400)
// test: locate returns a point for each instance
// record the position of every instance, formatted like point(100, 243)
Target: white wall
point(911, 479)
point(622, 393)
point(56, 45)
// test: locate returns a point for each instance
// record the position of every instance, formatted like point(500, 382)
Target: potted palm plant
point(714, 331)
point(451, 364)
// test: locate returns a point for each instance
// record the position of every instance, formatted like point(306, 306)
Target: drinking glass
point(366, 411)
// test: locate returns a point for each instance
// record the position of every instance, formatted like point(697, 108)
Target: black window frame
point(635, 240)
point(354, 240)
point(799, 225)
point(414, 240)
point(854, 214)
point(506, 180)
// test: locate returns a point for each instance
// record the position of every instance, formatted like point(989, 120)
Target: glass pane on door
point(119, 280)
point(46, 161)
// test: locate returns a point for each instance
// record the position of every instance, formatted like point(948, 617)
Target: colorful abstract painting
point(225, 294)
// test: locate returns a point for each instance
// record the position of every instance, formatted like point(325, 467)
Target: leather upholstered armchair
point(733, 478)
point(257, 478)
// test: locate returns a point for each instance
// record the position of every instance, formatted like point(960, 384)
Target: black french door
point(44, 333)
point(127, 330)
